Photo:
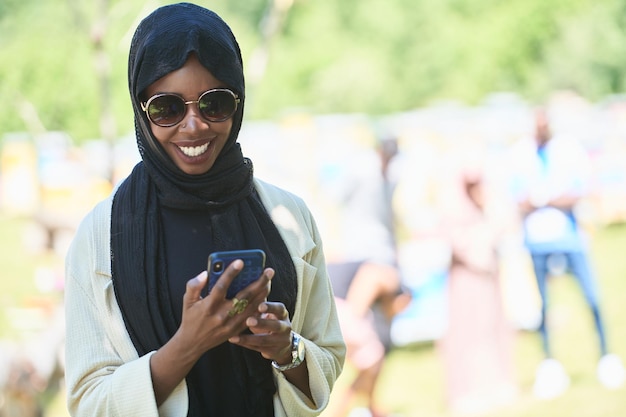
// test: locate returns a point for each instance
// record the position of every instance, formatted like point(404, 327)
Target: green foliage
point(47, 61)
point(589, 56)
point(374, 56)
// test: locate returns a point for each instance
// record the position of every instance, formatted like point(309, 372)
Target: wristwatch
point(297, 354)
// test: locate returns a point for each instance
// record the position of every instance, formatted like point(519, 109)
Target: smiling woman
point(141, 338)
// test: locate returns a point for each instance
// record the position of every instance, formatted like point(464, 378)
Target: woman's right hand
point(207, 322)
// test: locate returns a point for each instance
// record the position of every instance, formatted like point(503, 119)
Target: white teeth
point(195, 150)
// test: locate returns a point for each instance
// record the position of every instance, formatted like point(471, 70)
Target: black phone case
point(254, 263)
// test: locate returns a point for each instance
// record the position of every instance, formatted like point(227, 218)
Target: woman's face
point(193, 144)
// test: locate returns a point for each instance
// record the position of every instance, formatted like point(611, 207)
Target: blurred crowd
point(439, 211)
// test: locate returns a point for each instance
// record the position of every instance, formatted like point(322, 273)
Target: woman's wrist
point(285, 356)
point(296, 354)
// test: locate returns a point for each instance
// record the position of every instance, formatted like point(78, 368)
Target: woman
point(476, 348)
point(142, 340)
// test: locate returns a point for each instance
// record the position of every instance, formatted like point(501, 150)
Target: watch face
point(299, 348)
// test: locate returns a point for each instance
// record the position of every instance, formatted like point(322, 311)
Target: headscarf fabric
point(161, 44)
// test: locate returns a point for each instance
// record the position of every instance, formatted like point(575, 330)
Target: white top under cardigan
point(105, 376)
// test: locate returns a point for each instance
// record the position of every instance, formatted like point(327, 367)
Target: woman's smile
point(193, 151)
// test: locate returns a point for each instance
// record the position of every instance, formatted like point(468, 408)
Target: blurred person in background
point(143, 339)
point(365, 277)
point(477, 346)
point(550, 176)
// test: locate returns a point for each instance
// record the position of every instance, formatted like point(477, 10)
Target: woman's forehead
point(189, 81)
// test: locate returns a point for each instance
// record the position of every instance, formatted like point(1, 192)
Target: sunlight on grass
point(412, 381)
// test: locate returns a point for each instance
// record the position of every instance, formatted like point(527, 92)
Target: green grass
point(20, 267)
point(27, 293)
point(412, 382)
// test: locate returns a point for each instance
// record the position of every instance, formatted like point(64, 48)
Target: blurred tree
point(47, 61)
point(373, 56)
point(95, 29)
point(588, 57)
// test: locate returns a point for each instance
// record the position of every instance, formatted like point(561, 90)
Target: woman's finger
point(230, 273)
point(278, 310)
point(194, 288)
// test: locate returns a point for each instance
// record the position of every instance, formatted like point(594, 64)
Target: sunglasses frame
point(145, 105)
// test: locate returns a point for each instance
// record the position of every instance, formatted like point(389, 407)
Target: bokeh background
point(448, 78)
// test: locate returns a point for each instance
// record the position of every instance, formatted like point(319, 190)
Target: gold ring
point(238, 306)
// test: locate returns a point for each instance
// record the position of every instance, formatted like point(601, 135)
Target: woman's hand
point(207, 322)
point(271, 332)
point(271, 336)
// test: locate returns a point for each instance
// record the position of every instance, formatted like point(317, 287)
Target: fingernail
point(234, 339)
point(251, 322)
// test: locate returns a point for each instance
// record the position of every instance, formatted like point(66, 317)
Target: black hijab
point(162, 44)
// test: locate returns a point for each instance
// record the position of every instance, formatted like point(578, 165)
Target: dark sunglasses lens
point(217, 106)
point(166, 110)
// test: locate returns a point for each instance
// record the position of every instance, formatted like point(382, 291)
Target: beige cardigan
point(104, 375)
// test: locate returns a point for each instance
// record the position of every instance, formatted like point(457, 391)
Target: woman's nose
point(193, 120)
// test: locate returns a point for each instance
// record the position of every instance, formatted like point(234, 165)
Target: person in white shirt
point(550, 176)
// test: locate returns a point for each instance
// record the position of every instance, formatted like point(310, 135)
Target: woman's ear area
point(143, 96)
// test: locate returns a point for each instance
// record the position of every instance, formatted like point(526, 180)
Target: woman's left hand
point(271, 333)
point(271, 336)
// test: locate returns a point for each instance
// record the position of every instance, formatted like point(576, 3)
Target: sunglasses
point(168, 109)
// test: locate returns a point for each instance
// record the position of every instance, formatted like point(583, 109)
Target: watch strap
point(297, 354)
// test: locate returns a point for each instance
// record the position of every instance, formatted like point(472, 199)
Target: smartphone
point(253, 266)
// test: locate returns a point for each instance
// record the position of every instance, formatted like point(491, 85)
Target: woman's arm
point(103, 373)
point(316, 320)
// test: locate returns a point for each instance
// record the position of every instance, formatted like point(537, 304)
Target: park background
point(447, 77)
